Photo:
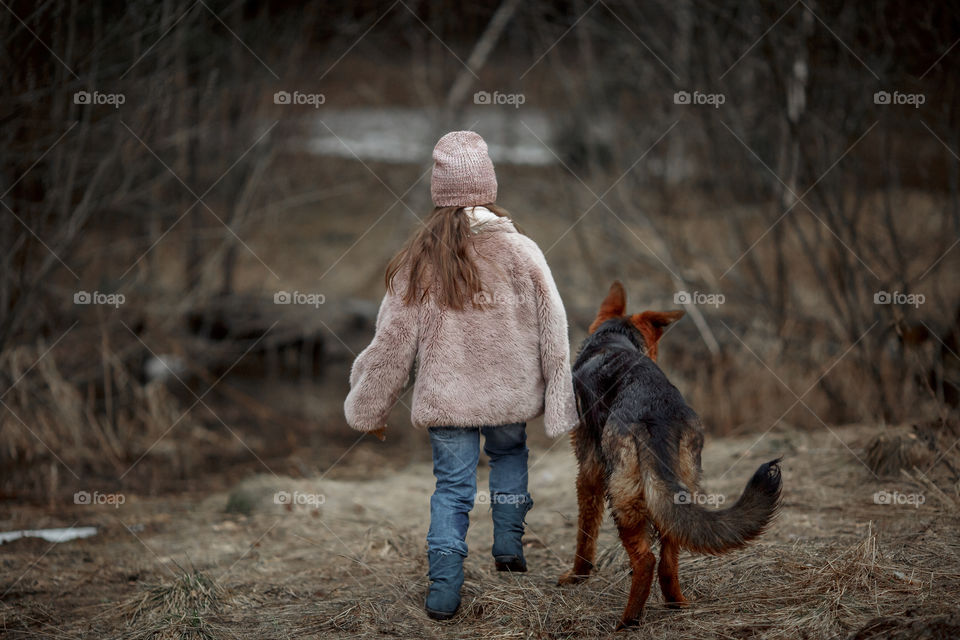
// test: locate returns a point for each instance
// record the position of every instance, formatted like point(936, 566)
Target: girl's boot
point(446, 578)
point(508, 532)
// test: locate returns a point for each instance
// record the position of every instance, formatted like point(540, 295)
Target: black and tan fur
point(638, 446)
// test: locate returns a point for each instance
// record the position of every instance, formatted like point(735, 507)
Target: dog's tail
point(687, 518)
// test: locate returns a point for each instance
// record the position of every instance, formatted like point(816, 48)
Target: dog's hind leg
point(625, 489)
point(590, 493)
point(667, 572)
point(634, 537)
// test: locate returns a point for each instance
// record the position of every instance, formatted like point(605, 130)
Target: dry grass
point(61, 423)
point(820, 590)
point(181, 608)
point(835, 564)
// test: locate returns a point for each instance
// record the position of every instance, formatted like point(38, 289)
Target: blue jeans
point(456, 451)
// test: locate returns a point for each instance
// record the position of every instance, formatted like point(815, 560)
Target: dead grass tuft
point(184, 608)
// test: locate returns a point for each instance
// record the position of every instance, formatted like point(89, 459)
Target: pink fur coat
point(506, 362)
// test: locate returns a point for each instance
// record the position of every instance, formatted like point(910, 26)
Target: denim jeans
point(456, 451)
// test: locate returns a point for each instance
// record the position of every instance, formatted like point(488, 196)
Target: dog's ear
point(651, 325)
point(614, 305)
point(662, 318)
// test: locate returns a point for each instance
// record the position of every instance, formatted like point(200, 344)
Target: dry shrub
point(926, 454)
point(888, 454)
point(54, 428)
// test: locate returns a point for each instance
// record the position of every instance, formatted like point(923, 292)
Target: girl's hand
point(381, 433)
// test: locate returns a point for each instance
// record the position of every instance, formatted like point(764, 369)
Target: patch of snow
point(50, 535)
point(405, 135)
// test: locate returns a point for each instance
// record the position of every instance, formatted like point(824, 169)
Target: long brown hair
point(438, 255)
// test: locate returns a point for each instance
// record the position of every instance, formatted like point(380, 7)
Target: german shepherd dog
point(638, 444)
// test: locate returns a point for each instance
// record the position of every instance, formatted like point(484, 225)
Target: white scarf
point(479, 216)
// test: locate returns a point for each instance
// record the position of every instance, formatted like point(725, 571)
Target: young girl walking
point(471, 300)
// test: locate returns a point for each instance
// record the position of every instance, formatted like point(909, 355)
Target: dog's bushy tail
point(683, 516)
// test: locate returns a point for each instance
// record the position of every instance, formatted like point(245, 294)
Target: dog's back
point(613, 376)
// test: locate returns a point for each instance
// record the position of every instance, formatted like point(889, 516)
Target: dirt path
point(349, 559)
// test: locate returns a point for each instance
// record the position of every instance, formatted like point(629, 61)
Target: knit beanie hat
point(462, 171)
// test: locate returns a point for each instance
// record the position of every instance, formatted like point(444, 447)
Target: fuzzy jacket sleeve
point(560, 410)
point(382, 370)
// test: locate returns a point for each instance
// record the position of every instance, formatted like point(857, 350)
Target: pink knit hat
point(462, 171)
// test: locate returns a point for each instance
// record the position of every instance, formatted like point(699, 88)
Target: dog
point(638, 444)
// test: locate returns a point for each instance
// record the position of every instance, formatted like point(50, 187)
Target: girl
point(472, 302)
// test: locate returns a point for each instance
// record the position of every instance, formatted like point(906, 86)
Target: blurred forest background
point(171, 171)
